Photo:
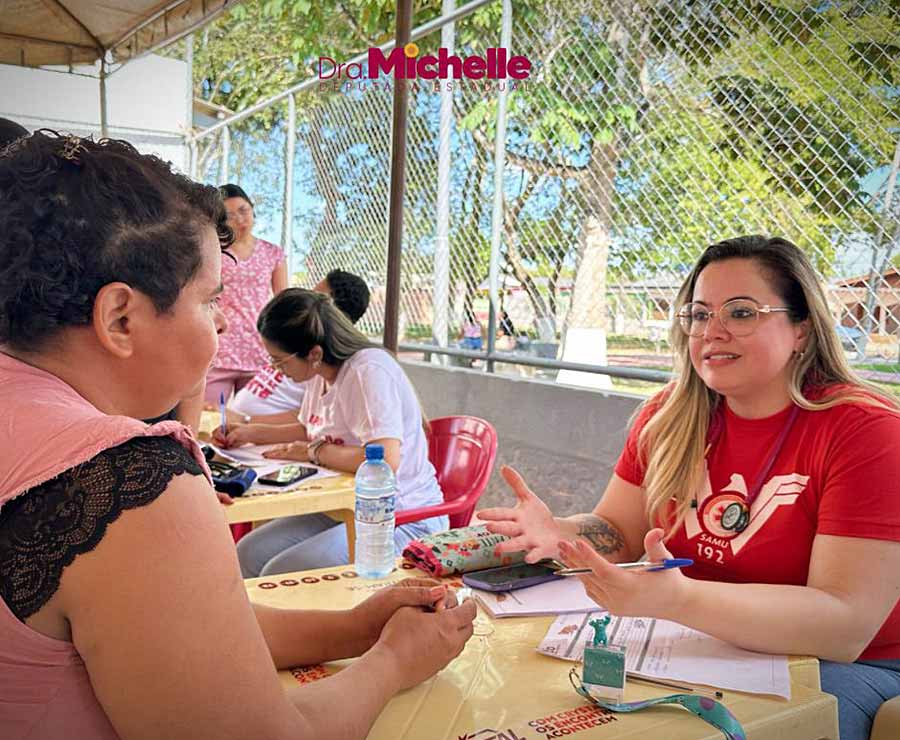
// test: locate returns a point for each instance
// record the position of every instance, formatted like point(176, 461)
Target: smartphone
point(510, 577)
point(287, 475)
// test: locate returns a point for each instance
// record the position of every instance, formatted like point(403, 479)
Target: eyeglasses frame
point(760, 308)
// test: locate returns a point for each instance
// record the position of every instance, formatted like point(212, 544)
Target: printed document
point(657, 648)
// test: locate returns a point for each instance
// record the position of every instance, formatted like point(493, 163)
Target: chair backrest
point(462, 450)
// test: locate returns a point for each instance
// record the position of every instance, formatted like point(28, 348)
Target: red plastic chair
point(462, 450)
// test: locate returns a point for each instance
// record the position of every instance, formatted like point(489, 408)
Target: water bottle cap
point(374, 452)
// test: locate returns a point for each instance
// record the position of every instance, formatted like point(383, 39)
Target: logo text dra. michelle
point(406, 64)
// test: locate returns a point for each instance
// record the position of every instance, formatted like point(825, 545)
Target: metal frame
point(654, 376)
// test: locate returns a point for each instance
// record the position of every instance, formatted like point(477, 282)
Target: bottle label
point(374, 510)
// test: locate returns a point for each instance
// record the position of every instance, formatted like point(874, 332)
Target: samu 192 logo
point(406, 64)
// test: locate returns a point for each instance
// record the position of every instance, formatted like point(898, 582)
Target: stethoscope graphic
point(735, 516)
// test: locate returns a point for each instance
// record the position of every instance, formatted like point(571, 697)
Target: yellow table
point(500, 688)
point(333, 496)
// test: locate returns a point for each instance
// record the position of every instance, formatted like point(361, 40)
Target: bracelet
point(313, 449)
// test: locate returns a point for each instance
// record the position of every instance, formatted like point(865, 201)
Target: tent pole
point(104, 124)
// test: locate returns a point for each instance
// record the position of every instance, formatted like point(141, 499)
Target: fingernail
point(437, 590)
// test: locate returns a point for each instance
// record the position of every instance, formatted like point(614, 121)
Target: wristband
point(313, 449)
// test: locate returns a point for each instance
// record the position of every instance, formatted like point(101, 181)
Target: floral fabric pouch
point(459, 551)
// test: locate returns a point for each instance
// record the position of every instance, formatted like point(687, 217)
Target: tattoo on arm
point(602, 535)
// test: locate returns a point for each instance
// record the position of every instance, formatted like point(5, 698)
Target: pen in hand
point(222, 412)
point(648, 566)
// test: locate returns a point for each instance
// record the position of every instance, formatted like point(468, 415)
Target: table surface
point(500, 688)
point(310, 497)
point(335, 496)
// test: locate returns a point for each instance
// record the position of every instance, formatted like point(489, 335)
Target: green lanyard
point(707, 709)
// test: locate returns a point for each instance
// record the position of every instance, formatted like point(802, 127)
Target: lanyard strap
point(709, 710)
point(716, 432)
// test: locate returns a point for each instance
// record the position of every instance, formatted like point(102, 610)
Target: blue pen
point(222, 411)
point(646, 565)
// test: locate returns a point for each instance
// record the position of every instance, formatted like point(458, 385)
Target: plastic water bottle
point(376, 489)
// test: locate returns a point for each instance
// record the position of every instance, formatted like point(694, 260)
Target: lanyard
point(715, 432)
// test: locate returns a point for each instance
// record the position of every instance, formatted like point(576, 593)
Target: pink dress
point(248, 288)
point(48, 428)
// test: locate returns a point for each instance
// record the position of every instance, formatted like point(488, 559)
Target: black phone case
point(472, 580)
point(305, 472)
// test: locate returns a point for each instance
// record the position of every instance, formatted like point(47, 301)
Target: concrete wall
point(147, 103)
point(564, 440)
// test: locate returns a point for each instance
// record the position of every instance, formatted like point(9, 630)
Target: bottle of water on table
point(376, 490)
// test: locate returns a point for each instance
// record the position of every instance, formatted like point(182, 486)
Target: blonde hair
point(672, 444)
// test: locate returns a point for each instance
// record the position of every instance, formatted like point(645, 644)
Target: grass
point(879, 367)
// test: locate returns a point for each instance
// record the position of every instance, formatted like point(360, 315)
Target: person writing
point(118, 579)
point(357, 394)
point(272, 397)
point(770, 465)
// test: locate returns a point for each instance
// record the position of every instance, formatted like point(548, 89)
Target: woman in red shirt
point(770, 464)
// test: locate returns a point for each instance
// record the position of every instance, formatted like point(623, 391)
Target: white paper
point(657, 648)
point(251, 455)
point(565, 596)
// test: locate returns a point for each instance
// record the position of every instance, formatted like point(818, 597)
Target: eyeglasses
point(279, 363)
point(241, 212)
point(739, 317)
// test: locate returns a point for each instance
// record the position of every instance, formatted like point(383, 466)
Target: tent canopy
point(34, 33)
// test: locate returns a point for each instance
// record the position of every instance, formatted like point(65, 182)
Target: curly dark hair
point(76, 214)
point(349, 293)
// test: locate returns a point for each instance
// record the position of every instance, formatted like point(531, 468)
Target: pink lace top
point(248, 287)
point(48, 428)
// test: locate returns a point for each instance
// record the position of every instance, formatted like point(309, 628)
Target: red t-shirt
point(837, 473)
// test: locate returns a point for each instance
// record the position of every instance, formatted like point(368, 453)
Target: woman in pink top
point(256, 271)
point(122, 609)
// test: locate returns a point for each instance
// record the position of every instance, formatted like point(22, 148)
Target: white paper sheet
point(657, 648)
point(565, 596)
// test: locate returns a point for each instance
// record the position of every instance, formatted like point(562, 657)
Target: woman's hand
point(372, 614)
point(224, 498)
point(629, 594)
point(530, 525)
point(236, 435)
point(415, 644)
point(298, 451)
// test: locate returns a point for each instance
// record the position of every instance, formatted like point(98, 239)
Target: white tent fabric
point(34, 33)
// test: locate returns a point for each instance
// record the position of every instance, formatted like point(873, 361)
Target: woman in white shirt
point(357, 394)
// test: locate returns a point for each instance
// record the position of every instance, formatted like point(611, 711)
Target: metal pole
point(398, 182)
point(189, 102)
point(497, 217)
point(441, 302)
point(192, 159)
point(104, 124)
point(290, 143)
point(224, 171)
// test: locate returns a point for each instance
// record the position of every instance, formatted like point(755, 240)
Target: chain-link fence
point(644, 132)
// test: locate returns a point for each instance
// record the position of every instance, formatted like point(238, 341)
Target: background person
point(257, 271)
point(357, 394)
point(765, 410)
point(272, 397)
point(117, 575)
